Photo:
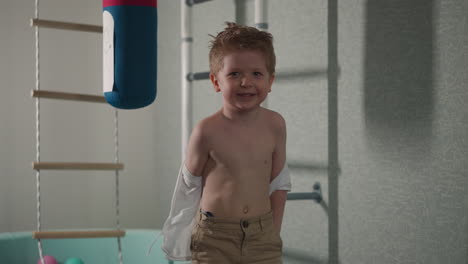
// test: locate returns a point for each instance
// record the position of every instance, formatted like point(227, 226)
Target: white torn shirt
point(177, 229)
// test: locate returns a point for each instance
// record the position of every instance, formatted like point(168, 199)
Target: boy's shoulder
point(274, 118)
point(207, 124)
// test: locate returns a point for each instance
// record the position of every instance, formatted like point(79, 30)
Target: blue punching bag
point(129, 52)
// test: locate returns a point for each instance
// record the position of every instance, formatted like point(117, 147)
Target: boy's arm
point(278, 201)
point(196, 154)
point(278, 197)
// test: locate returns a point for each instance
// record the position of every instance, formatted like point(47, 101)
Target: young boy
point(235, 154)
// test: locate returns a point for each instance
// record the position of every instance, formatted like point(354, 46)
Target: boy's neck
point(242, 116)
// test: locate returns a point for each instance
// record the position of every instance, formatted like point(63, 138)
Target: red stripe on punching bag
point(152, 3)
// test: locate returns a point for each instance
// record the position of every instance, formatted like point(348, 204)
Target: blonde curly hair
point(237, 38)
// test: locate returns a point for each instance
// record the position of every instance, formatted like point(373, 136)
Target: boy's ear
point(215, 82)
point(272, 78)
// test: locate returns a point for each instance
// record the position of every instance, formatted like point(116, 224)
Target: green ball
point(74, 261)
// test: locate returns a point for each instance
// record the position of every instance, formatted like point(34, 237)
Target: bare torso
point(237, 173)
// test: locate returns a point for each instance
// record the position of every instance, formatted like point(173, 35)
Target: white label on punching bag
point(108, 51)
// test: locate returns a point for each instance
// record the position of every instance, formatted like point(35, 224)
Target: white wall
point(402, 124)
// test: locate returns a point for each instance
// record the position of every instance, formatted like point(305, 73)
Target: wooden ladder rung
point(35, 22)
point(76, 166)
point(77, 234)
point(68, 96)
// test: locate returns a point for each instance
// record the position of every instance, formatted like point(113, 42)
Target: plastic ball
point(48, 260)
point(73, 261)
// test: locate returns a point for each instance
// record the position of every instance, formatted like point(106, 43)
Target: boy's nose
point(246, 82)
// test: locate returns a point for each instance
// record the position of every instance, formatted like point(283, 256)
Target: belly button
point(246, 209)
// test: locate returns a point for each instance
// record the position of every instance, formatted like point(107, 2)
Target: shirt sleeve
point(282, 181)
point(177, 229)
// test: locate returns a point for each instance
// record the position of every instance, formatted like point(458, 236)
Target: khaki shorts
point(225, 241)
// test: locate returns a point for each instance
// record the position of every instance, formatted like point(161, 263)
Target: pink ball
point(48, 260)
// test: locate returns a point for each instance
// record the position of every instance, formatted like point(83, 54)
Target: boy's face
point(243, 80)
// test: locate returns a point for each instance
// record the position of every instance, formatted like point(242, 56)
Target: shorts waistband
point(256, 222)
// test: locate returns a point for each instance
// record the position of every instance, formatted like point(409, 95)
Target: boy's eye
point(234, 74)
point(258, 74)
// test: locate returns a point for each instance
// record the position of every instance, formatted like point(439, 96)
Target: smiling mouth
point(246, 94)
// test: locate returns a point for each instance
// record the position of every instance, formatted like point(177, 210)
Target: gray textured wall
point(402, 124)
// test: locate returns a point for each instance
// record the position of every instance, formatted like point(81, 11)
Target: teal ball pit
point(21, 248)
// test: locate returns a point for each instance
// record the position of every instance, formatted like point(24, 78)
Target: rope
point(38, 138)
point(117, 202)
point(38, 152)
